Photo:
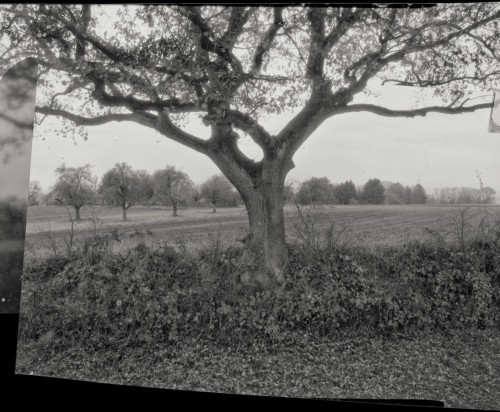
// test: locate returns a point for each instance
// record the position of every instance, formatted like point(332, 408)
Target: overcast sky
point(435, 151)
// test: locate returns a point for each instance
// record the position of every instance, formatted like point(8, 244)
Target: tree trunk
point(77, 212)
point(124, 213)
point(174, 205)
point(266, 255)
point(267, 229)
point(214, 208)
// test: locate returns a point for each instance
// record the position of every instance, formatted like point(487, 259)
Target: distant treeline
point(463, 195)
point(319, 190)
point(124, 187)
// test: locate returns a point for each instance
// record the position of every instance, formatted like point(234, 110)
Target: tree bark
point(267, 245)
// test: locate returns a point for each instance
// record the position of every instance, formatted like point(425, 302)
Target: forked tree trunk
point(266, 255)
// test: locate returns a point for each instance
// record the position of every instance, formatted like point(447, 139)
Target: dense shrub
point(160, 295)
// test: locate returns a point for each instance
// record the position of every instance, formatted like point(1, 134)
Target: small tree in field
point(232, 66)
point(172, 186)
point(75, 187)
point(123, 185)
point(217, 190)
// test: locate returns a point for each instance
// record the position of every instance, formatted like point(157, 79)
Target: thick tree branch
point(165, 126)
point(383, 111)
point(251, 127)
point(174, 105)
point(265, 45)
point(208, 41)
point(145, 119)
point(85, 20)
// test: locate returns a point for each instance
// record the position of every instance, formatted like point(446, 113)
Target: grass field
point(357, 225)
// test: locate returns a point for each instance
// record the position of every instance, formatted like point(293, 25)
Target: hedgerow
point(97, 298)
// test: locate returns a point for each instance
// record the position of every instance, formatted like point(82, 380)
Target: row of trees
point(125, 187)
point(321, 191)
point(463, 195)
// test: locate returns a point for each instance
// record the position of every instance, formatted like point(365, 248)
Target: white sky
point(437, 150)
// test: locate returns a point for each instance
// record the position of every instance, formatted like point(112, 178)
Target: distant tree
point(75, 187)
point(345, 192)
point(395, 194)
point(373, 192)
point(122, 185)
point(218, 190)
point(315, 190)
point(145, 186)
point(172, 186)
point(488, 195)
point(407, 195)
point(34, 193)
point(463, 195)
point(418, 195)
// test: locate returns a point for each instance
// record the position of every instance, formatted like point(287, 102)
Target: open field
point(362, 225)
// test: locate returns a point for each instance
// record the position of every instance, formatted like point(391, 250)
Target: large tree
point(75, 187)
point(231, 65)
point(172, 186)
point(122, 184)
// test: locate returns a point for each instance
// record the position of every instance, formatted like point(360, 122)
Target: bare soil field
point(48, 228)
